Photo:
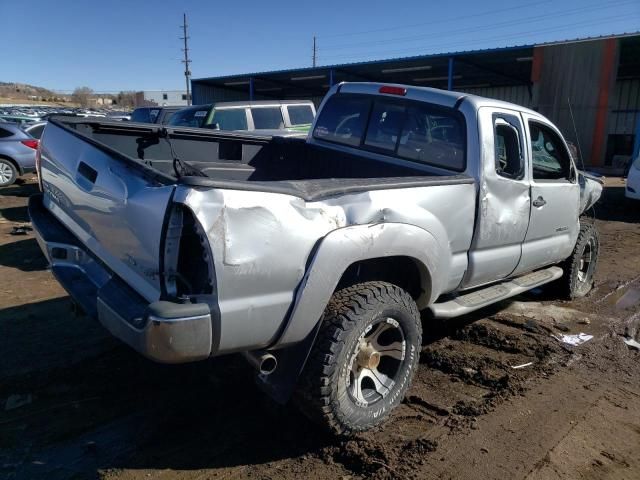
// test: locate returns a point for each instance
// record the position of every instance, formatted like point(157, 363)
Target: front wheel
point(364, 358)
point(580, 267)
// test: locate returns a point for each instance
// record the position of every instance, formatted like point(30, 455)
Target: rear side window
point(5, 133)
point(343, 120)
point(300, 114)
point(267, 118)
point(508, 149)
point(231, 119)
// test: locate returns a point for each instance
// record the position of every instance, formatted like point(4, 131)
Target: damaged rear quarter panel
point(262, 245)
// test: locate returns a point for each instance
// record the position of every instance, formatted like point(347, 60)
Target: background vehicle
point(17, 153)
point(20, 120)
point(194, 116)
point(294, 115)
point(314, 257)
point(35, 129)
point(160, 115)
point(633, 181)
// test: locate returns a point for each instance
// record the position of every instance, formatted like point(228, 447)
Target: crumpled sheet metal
point(262, 244)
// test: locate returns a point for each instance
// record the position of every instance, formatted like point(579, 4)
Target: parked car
point(17, 153)
point(35, 129)
point(314, 257)
point(159, 115)
point(20, 120)
point(291, 115)
point(633, 181)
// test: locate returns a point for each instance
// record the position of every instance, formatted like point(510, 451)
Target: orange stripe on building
point(606, 79)
point(536, 64)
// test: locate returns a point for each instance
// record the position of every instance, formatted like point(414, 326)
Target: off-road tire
point(323, 391)
point(577, 281)
point(8, 172)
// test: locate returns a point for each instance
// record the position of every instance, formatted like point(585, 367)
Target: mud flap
point(281, 384)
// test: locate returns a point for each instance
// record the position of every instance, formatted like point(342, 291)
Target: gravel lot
point(75, 403)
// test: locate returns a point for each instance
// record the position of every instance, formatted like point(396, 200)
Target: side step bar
point(477, 299)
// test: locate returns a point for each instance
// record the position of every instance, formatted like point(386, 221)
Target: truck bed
point(238, 161)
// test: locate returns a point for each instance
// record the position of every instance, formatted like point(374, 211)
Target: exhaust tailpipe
point(264, 363)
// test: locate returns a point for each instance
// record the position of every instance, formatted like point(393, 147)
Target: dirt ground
point(77, 404)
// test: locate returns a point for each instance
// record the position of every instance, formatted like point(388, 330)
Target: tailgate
point(114, 205)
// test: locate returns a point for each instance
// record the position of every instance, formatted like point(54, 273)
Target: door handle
point(539, 202)
point(87, 172)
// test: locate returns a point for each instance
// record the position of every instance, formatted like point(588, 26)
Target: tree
point(82, 95)
point(126, 99)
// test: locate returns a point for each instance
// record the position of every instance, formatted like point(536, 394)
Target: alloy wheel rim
point(585, 269)
point(376, 362)
point(5, 173)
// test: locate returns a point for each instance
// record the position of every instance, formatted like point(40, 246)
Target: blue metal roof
point(410, 58)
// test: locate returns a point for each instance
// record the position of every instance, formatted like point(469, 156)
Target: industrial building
point(161, 98)
point(595, 81)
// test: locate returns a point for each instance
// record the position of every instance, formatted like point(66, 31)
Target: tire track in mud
point(464, 372)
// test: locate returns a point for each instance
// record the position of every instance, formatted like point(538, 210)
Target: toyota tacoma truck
point(320, 259)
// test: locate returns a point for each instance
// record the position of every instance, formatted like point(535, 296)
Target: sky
point(114, 45)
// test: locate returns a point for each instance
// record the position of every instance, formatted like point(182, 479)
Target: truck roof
point(428, 94)
point(263, 103)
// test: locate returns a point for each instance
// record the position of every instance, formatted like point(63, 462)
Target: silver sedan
point(17, 153)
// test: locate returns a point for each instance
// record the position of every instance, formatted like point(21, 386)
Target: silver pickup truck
point(314, 257)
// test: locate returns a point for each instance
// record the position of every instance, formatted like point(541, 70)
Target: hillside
point(23, 93)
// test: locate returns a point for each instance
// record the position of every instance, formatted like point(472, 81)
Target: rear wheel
point(8, 172)
point(364, 358)
point(580, 267)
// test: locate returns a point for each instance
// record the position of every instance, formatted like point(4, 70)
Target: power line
point(588, 8)
point(475, 41)
point(439, 21)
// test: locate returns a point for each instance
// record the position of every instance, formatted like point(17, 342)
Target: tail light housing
point(392, 90)
point(39, 166)
point(31, 143)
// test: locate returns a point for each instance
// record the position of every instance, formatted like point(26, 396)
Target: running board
point(469, 302)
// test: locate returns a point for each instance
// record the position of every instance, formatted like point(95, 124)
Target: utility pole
point(186, 61)
point(315, 51)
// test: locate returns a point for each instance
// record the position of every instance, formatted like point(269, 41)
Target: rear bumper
point(26, 160)
point(632, 193)
point(163, 331)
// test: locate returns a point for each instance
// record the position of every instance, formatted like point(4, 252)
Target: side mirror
point(214, 126)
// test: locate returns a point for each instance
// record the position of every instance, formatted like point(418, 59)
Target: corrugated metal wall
point(203, 93)
point(571, 73)
point(518, 94)
point(624, 107)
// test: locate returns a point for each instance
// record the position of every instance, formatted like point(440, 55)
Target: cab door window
point(508, 149)
point(549, 157)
